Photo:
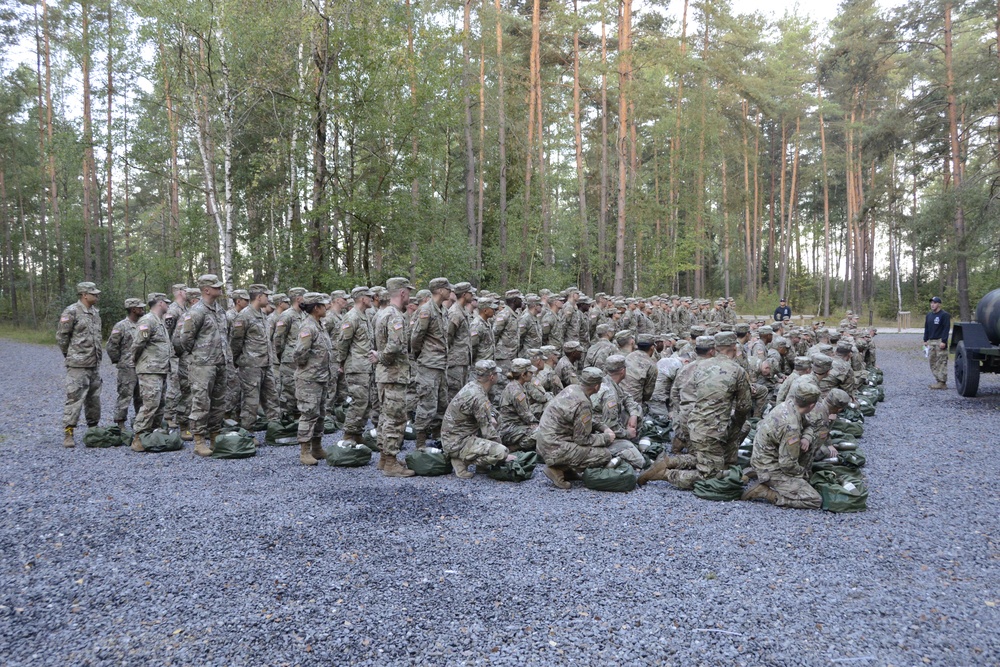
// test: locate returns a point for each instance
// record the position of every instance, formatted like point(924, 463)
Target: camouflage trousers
point(359, 387)
point(456, 377)
point(335, 389)
point(208, 398)
point(684, 474)
point(152, 387)
point(286, 391)
point(568, 453)
point(392, 417)
point(478, 452)
point(938, 360)
point(83, 393)
point(710, 455)
point(128, 393)
point(628, 452)
point(178, 392)
point(432, 400)
point(759, 395)
point(234, 391)
point(311, 400)
point(518, 437)
point(257, 389)
point(793, 492)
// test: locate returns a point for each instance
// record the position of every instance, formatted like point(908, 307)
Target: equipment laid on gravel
point(351, 456)
point(429, 462)
point(729, 487)
point(159, 441)
point(976, 345)
point(282, 433)
point(521, 469)
point(237, 444)
point(112, 436)
point(621, 478)
point(840, 492)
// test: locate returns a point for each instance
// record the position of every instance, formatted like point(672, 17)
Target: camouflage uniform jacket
point(614, 407)
point(682, 393)
point(514, 407)
point(566, 372)
point(481, 339)
point(173, 316)
point(120, 343)
point(570, 417)
point(250, 341)
point(151, 348)
point(552, 332)
point(572, 321)
point(537, 394)
point(722, 398)
point(598, 353)
point(776, 446)
point(285, 333)
point(459, 333)
point(355, 339)
point(204, 335)
point(313, 352)
point(429, 338)
point(79, 336)
point(549, 381)
point(640, 376)
point(529, 333)
point(786, 386)
point(392, 337)
point(505, 333)
point(469, 414)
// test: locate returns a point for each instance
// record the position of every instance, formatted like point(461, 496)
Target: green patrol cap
point(153, 297)
point(591, 376)
point(338, 294)
point(360, 291)
point(519, 365)
point(315, 298)
point(803, 364)
point(257, 288)
point(765, 331)
point(241, 294)
point(87, 288)
point(725, 338)
point(614, 363)
point(178, 287)
point(622, 336)
point(463, 288)
point(644, 340)
point(821, 363)
point(399, 283)
point(439, 283)
point(296, 292)
point(707, 342)
point(838, 399)
point(193, 293)
point(136, 303)
point(534, 353)
point(209, 280)
point(572, 346)
point(485, 367)
point(806, 391)
point(549, 350)
point(279, 297)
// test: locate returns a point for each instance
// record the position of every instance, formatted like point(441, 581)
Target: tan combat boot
point(317, 450)
point(461, 468)
point(558, 476)
point(186, 435)
point(304, 456)
point(391, 467)
point(201, 447)
point(420, 442)
point(120, 425)
point(937, 385)
point(137, 444)
point(760, 491)
point(68, 438)
point(211, 440)
point(381, 462)
point(657, 470)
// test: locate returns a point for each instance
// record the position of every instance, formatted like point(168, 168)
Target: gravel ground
point(112, 557)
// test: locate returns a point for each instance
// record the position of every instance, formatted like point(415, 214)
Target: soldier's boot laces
point(391, 467)
point(420, 442)
point(201, 447)
point(760, 491)
point(137, 444)
point(557, 475)
point(317, 449)
point(68, 438)
point(304, 456)
point(461, 468)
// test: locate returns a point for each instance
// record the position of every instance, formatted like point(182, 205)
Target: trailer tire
point(966, 372)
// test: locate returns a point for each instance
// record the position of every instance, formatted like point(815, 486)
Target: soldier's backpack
point(369, 438)
point(729, 487)
point(430, 462)
point(159, 441)
point(856, 429)
point(351, 456)
point(840, 492)
point(852, 415)
point(330, 425)
point(621, 478)
point(234, 444)
point(409, 433)
point(875, 375)
point(655, 430)
point(521, 469)
point(282, 433)
point(866, 407)
point(851, 459)
point(112, 436)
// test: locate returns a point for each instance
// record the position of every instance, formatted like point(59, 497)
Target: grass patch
point(28, 335)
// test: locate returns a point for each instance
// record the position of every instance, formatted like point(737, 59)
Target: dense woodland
point(506, 142)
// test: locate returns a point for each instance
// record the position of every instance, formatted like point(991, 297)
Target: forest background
point(633, 149)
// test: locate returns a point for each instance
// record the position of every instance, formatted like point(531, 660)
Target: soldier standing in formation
point(79, 338)
point(311, 356)
point(118, 346)
point(151, 353)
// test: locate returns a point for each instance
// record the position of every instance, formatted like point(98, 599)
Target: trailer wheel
point(966, 372)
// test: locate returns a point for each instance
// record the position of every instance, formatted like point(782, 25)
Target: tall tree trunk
point(175, 211)
point(725, 228)
point(470, 153)
point(602, 216)
point(110, 236)
point(624, 73)
point(482, 146)
point(675, 150)
point(414, 140)
point(961, 263)
point(700, 234)
point(9, 263)
point(783, 253)
point(321, 58)
point(502, 141)
point(42, 152)
point(543, 188)
point(586, 279)
point(748, 252)
point(530, 146)
point(53, 183)
point(826, 208)
point(91, 261)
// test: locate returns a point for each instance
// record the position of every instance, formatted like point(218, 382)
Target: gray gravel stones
point(111, 557)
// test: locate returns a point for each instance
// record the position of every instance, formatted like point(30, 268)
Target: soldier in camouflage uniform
point(818, 423)
point(529, 328)
point(802, 366)
point(566, 368)
point(233, 391)
point(118, 347)
point(151, 353)
point(682, 392)
point(312, 354)
point(614, 408)
point(505, 333)
point(777, 447)
point(842, 370)
point(392, 376)
point(355, 341)
point(79, 338)
point(176, 414)
point(429, 345)
point(204, 336)
point(283, 341)
point(517, 421)
point(641, 371)
point(252, 356)
point(334, 318)
point(538, 395)
point(602, 348)
point(469, 431)
point(546, 376)
point(459, 344)
point(552, 333)
point(481, 332)
point(569, 438)
point(583, 305)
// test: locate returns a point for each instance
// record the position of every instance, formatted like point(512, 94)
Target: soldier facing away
point(79, 338)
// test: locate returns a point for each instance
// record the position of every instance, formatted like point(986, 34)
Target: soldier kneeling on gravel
point(468, 431)
point(780, 442)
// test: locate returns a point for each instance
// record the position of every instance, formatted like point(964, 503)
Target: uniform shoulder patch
point(64, 318)
point(397, 326)
point(520, 396)
point(612, 404)
point(142, 327)
point(345, 325)
point(304, 334)
point(114, 331)
point(424, 314)
point(280, 323)
point(585, 418)
point(238, 323)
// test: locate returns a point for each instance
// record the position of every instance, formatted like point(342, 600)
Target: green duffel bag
point(430, 462)
point(875, 375)
point(852, 415)
point(621, 478)
point(234, 444)
point(840, 493)
point(158, 441)
point(654, 431)
point(650, 448)
point(835, 467)
point(340, 414)
point(851, 459)
point(521, 469)
point(112, 436)
point(348, 457)
point(282, 433)
point(854, 429)
point(409, 433)
point(845, 444)
point(841, 436)
point(331, 425)
point(743, 457)
point(866, 407)
point(729, 487)
point(369, 438)
point(881, 394)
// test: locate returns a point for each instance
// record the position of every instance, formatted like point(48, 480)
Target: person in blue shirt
point(937, 324)
point(782, 311)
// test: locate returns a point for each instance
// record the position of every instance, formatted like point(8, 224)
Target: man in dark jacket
point(936, 327)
